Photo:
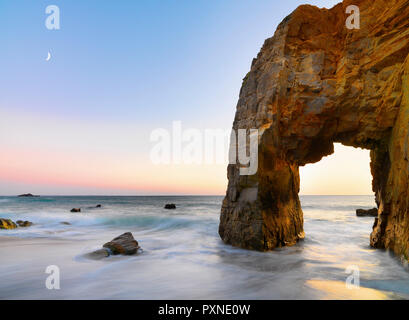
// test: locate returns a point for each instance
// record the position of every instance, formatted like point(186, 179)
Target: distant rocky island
point(27, 195)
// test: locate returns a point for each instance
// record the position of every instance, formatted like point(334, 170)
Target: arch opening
point(346, 172)
point(331, 191)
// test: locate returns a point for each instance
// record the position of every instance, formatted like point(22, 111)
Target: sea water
point(183, 256)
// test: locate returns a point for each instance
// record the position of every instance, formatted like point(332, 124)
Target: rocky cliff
point(316, 82)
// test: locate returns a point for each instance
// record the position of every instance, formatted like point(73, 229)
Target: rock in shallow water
point(170, 206)
point(99, 254)
point(7, 224)
point(124, 244)
point(367, 213)
point(76, 210)
point(24, 224)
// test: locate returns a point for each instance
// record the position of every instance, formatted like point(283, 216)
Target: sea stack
point(314, 83)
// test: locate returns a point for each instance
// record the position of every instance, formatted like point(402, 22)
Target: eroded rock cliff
point(316, 82)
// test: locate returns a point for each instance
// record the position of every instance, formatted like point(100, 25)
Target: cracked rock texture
point(314, 83)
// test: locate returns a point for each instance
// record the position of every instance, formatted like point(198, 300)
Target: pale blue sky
point(120, 69)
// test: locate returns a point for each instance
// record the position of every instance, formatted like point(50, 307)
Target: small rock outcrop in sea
point(76, 210)
point(317, 82)
point(367, 213)
point(24, 224)
point(96, 207)
point(7, 224)
point(123, 244)
point(66, 223)
point(27, 195)
point(170, 206)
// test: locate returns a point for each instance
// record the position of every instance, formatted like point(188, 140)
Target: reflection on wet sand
point(331, 290)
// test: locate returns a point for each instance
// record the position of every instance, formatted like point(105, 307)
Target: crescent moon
point(48, 56)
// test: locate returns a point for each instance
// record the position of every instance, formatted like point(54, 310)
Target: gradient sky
point(80, 123)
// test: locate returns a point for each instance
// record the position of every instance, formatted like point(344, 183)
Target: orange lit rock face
point(312, 84)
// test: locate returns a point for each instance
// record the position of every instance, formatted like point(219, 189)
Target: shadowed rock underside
point(314, 83)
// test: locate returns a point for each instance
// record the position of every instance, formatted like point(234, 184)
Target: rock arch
point(314, 83)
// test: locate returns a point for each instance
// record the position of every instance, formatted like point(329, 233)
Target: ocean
point(183, 256)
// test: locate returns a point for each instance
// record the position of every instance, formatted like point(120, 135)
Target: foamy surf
point(183, 256)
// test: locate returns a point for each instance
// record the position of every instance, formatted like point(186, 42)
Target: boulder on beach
point(367, 213)
point(7, 224)
point(76, 210)
point(24, 224)
point(26, 195)
point(124, 244)
point(170, 206)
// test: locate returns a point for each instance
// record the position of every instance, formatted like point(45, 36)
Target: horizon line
point(163, 195)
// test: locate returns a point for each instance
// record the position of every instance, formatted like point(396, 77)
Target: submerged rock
point(7, 224)
point(96, 207)
point(76, 210)
point(24, 224)
point(66, 223)
point(170, 206)
point(124, 244)
point(367, 213)
point(99, 254)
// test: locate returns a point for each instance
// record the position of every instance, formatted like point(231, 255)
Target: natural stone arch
point(312, 84)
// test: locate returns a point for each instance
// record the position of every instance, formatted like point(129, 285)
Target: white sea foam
point(183, 256)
